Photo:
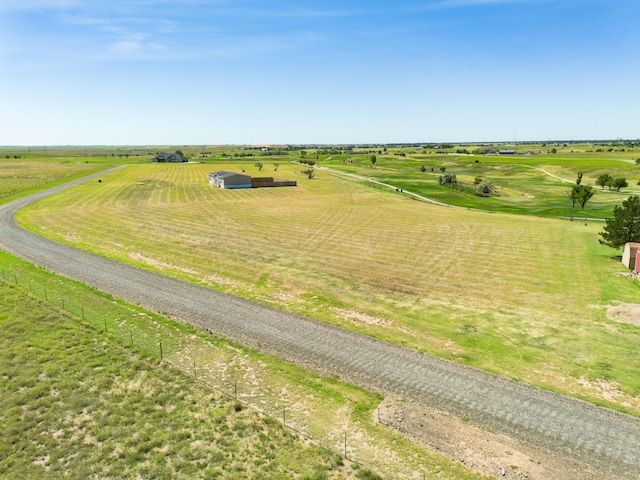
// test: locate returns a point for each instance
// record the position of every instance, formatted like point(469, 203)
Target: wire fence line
point(230, 384)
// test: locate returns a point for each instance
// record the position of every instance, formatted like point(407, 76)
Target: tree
point(310, 173)
point(581, 194)
point(443, 169)
point(423, 168)
point(447, 178)
point(259, 166)
point(373, 159)
point(603, 180)
point(625, 225)
point(619, 183)
point(579, 179)
point(485, 187)
point(275, 167)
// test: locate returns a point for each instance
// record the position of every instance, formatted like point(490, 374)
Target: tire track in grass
point(603, 439)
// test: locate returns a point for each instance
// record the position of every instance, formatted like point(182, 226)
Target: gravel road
point(603, 439)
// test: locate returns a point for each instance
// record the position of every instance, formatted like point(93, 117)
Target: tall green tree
point(625, 225)
point(603, 180)
point(581, 194)
point(619, 183)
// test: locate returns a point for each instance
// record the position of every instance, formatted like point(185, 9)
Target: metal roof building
point(224, 179)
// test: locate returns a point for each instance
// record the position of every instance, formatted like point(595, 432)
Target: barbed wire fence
point(228, 382)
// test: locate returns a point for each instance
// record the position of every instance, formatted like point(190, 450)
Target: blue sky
point(254, 72)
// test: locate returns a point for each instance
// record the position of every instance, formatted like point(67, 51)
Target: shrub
point(485, 188)
point(447, 178)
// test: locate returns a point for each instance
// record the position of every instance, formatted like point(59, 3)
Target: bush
point(485, 188)
point(447, 178)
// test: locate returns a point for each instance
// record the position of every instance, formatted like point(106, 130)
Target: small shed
point(224, 179)
point(629, 255)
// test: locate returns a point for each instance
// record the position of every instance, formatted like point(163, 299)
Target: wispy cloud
point(474, 3)
point(30, 5)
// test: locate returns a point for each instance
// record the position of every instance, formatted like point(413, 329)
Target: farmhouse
point(630, 254)
point(224, 179)
point(169, 158)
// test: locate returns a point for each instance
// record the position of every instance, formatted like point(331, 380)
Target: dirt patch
point(138, 257)
point(607, 389)
point(360, 318)
point(221, 281)
point(484, 452)
point(624, 313)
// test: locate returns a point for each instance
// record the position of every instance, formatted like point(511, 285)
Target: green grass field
point(517, 295)
point(20, 176)
point(525, 184)
point(75, 404)
point(84, 393)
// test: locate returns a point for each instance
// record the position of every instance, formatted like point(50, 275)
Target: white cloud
point(17, 5)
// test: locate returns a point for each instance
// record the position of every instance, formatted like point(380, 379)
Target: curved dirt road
point(607, 441)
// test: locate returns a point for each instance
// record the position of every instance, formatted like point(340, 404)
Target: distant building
point(629, 255)
point(224, 179)
point(507, 152)
point(170, 158)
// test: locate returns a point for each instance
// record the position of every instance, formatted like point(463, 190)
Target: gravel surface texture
point(606, 441)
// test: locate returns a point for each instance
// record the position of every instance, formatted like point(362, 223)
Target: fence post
point(15, 278)
point(345, 445)
point(62, 299)
point(161, 350)
point(131, 336)
point(82, 312)
point(105, 324)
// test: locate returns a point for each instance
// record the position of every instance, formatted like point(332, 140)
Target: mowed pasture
point(18, 176)
point(519, 296)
